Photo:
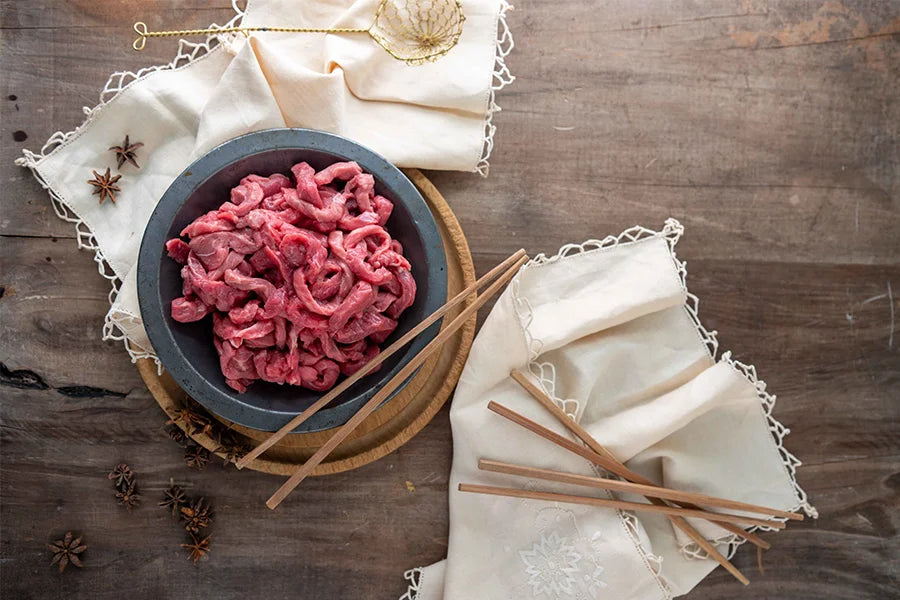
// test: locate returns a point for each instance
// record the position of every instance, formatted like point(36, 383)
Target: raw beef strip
point(301, 278)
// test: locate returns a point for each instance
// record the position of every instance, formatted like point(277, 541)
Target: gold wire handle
point(414, 31)
point(141, 28)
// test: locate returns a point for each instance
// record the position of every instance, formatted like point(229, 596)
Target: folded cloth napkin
point(610, 332)
point(435, 115)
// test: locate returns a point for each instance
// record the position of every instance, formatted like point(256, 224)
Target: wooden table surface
point(770, 129)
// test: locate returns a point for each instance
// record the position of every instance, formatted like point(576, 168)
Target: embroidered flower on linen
point(551, 565)
point(593, 582)
point(564, 563)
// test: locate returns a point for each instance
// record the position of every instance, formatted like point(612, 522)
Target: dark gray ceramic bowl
point(186, 349)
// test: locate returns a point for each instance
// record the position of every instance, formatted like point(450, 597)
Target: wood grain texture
point(769, 128)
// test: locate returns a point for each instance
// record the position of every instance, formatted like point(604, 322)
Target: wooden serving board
point(403, 416)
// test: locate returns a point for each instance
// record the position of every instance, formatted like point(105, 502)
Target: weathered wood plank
point(768, 128)
point(858, 500)
point(749, 133)
point(850, 449)
point(54, 302)
point(68, 445)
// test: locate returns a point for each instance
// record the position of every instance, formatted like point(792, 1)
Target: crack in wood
point(823, 42)
point(26, 379)
point(22, 379)
point(36, 236)
point(86, 391)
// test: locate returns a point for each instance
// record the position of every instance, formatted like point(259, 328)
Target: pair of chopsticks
point(686, 504)
point(499, 275)
point(627, 487)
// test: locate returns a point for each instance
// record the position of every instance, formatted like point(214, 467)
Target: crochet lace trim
point(501, 78)
point(788, 461)
point(414, 577)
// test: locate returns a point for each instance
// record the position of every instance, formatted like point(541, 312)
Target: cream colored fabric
point(610, 331)
point(436, 116)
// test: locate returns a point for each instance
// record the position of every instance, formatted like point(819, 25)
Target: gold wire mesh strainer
point(414, 31)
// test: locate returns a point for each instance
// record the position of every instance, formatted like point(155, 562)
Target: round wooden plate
point(393, 424)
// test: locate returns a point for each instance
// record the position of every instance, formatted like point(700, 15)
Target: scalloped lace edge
point(114, 327)
point(501, 78)
point(652, 561)
point(414, 577)
point(788, 461)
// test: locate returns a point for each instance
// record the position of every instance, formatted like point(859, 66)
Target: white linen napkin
point(436, 116)
point(610, 331)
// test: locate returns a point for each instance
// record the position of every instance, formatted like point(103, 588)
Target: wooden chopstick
point(556, 438)
point(380, 358)
point(620, 504)
point(407, 370)
point(632, 488)
point(620, 469)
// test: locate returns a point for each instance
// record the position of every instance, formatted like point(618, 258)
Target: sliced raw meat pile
point(301, 278)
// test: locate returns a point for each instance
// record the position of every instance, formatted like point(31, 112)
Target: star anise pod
point(128, 496)
point(196, 516)
point(192, 420)
point(174, 498)
point(178, 436)
point(196, 457)
point(121, 475)
point(233, 453)
point(105, 185)
point(230, 447)
point(126, 152)
point(65, 551)
point(224, 436)
point(198, 548)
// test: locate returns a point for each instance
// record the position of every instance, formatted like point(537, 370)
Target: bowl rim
point(229, 404)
